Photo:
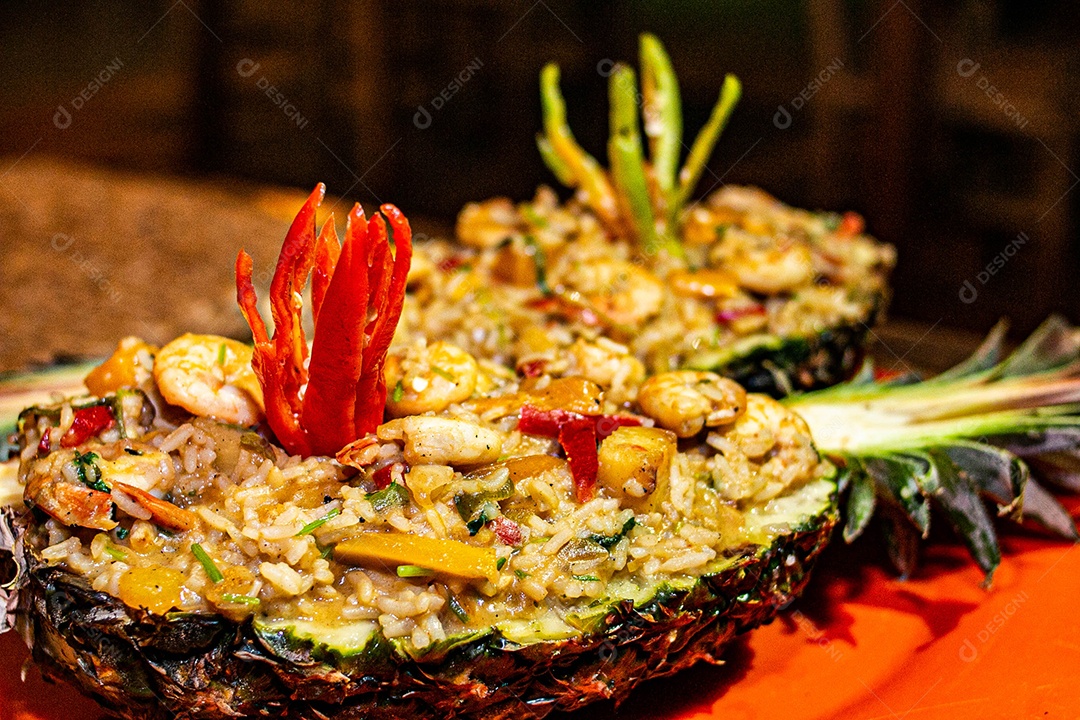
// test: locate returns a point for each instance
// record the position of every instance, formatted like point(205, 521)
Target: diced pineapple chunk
point(635, 463)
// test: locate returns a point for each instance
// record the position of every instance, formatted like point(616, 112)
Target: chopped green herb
point(586, 578)
point(239, 599)
point(316, 524)
point(413, 571)
point(326, 552)
point(610, 541)
point(115, 553)
point(521, 574)
point(831, 220)
point(207, 562)
point(443, 373)
point(399, 392)
point(534, 217)
point(500, 563)
point(540, 261)
point(393, 495)
point(122, 533)
point(221, 354)
point(455, 607)
point(88, 472)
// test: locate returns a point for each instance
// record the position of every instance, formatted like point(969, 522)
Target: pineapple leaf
point(985, 357)
point(997, 473)
point(901, 540)
point(1059, 469)
point(895, 477)
point(981, 430)
point(966, 512)
point(1054, 344)
point(860, 506)
point(1041, 507)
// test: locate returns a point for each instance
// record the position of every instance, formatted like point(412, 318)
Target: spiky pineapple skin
point(802, 364)
point(143, 666)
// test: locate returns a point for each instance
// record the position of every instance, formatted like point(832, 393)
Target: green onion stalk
point(644, 197)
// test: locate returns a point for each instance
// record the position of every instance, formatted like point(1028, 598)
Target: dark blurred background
point(950, 125)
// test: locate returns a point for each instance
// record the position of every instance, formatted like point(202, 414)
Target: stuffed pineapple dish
point(777, 298)
point(370, 529)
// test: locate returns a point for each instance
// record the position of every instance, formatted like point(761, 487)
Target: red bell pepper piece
point(44, 445)
point(578, 438)
point(729, 316)
point(508, 531)
point(88, 422)
point(320, 405)
point(578, 435)
point(851, 224)
point(385, 475)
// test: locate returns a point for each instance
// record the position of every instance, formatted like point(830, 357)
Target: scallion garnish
point(207, 562)
point(455, 607)
point(316, 524)
point(115, 553)
point(446, 375)
point(239, 599)
point(413, 571)
point(221, 355)
point(88, 472)
point(586, 578)
point(399, 392)
point(500, 563)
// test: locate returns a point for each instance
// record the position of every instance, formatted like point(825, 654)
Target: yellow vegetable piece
point(448, 557)
point(635, 463)
point(704, 283)
point(120, 369)
point(156, 589)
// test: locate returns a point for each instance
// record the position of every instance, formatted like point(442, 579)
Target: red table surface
point(860, 644)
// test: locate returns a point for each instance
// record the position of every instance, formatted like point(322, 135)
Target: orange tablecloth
point(859, 645)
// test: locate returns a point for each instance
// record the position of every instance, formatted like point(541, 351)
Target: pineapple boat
point(481, 542)
point(778, 298)
point(368, 530)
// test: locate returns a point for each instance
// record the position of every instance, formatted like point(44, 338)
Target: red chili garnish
point(88, 422)
point(533, 368)
point(44, 445)
point(384, 475)
point(451, 263)
point(564, 308)
point(508, 531)
point(319, 405)
point(851, 224)
point(729, 316)
point(578, 435)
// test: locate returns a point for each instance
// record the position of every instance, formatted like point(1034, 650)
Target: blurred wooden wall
point(431, 104)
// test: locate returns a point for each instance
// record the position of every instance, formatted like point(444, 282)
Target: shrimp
point(618, 290)
point(765, 451)
point(486, 224)
point(429, 378)
point(685, 401)
point(431, 440)
point(764, 263)
point(82, 490)
point(211, 376)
